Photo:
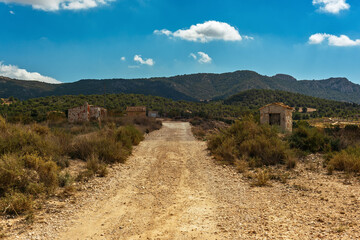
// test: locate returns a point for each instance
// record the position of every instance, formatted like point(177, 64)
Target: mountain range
point(193, 87)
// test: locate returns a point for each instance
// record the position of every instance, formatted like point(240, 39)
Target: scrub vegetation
point(34, 158)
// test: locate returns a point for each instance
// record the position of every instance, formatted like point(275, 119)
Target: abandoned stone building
point(136, 111)
point(277, 114)
point(86, 113)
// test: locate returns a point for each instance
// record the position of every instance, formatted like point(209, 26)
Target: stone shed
point(136, 111)
point(277, 114)
point(85, 113)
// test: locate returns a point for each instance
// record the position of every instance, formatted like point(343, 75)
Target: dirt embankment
point(170, 188)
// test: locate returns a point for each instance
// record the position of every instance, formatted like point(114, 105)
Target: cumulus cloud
point(123, 58)
point(338, 41)
point(11, 12)
point(139, 59)
point(201, 57)
point(205, 32)
point(55, 5)
point(13, 71)
point(331, 6)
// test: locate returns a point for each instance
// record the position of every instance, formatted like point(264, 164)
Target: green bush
point(128, 136)
point(347, 160)
point(310, 139)
point(258, 144)
point(110, 151)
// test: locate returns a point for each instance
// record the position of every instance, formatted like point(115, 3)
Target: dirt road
point(167, 194)
point(170, 188)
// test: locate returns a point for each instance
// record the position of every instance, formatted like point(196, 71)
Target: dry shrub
point(96, 167)
point(110, 151)
point(347, 160)
point(110, 145)
point(47, 171)
point(82, 148)
point(241, 165)
point(198, 132)
point(15, 203)
point(40, 129)
point(261, 178)
point(12, 174)
point(258, 144)
point(65, 179)
point(128, 136)
point(34, 139)
point(290, 161)
point(28, 174)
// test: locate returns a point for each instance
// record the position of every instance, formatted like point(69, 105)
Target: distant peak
point(284, 77)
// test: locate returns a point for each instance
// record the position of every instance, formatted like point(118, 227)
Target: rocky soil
point(170, 188)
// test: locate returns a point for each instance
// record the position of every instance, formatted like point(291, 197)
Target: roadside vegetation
point(35, 159)
point(262, 153)
point(257, 145)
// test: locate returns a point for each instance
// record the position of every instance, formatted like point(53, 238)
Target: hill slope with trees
point(243, 103)
point(193, 87)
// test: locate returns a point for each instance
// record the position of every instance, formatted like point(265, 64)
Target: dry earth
point(170, 188)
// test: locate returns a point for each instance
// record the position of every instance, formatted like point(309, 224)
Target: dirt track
point(166, 195)
point(170, 188)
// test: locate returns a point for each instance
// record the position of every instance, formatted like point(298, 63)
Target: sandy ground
point(170, 188)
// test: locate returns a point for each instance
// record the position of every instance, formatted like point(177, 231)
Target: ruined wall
point(285, 116)
point(97, 113)
point(79, 114)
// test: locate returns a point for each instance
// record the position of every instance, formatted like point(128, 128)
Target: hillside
point(202, 86)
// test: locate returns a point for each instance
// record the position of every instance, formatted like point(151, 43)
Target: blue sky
point(69, 40)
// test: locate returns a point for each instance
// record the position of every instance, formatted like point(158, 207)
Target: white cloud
point(12, 12)
point(163, 32)
point(123, 58)
point(55, 5)
point(331, 6)
point(204, 58)
point(139, 59)
point(13, 71)
point(193, 56)
point(201, 57)
point(341, 41)
point(206, 32)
